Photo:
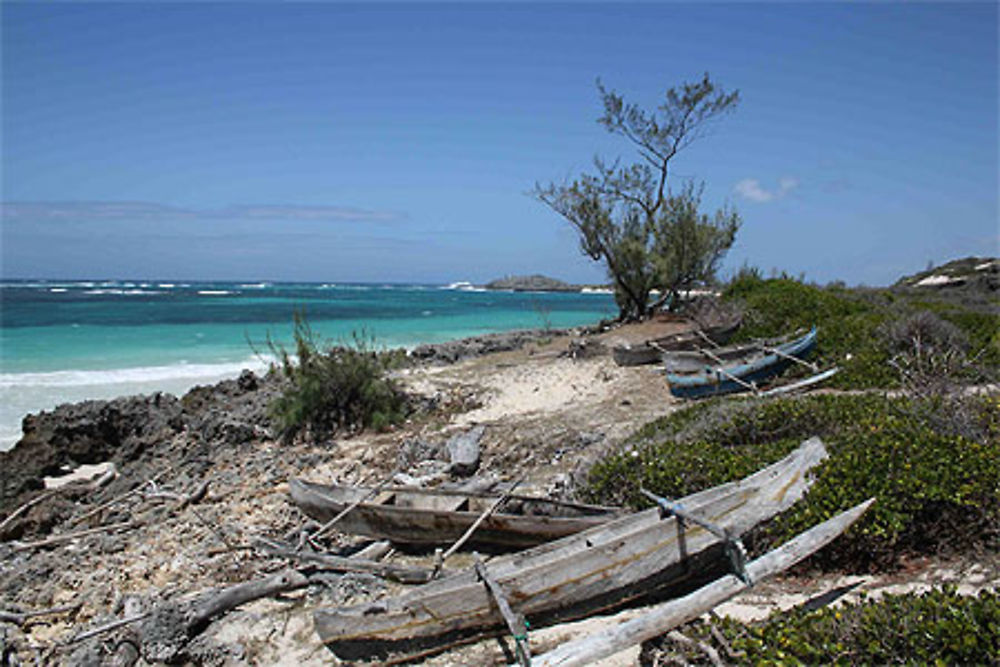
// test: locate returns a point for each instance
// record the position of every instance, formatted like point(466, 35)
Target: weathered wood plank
point(515, 622)
point(660, 618)
point(603, 566)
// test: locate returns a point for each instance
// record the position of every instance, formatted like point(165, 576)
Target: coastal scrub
point(332, 387)
point(940, 627)
point(856, 326)
point(937, 489)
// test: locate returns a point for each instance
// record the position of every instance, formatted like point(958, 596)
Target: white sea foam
point(256, 285)
point(82, 378)
point(121, 292)
point(25, 393)
point(214, 292)
point(57, 290)
point(464, 286)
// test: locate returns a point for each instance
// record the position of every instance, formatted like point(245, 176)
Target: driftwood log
point(400, 573)
point(93, 485)
point(68, 537)
point(20, 618)
point(222, 601)
point(668, 615)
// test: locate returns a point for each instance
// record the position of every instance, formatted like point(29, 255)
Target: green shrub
point(935, 489)
point(937, 627)
point(334, 387)
point(847, 325)
point(855, 324)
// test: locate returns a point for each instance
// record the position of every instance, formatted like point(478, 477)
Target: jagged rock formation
point(466, 348)
point(131, 428)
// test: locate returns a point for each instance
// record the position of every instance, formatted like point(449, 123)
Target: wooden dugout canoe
point(598, 569)
point(650, 351)
point(425, 518)
point(732, 369)
point(661, 618)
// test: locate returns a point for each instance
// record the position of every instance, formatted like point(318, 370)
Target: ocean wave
point(121, 292)
point(215, 292)
point(464, 286)
point(348, 288)
point(142, 374)
point(256, 285)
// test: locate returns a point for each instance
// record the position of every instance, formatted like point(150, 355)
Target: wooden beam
point(661, 618)
point(515, 622)
point(472, 529)
point(372, 492)
point(722, 370)
point(784, 355)
point(400, 573)
point(802, 384)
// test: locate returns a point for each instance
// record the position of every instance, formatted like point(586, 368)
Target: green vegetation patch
point(853, 322)
point(934, 467)
point(939, 627)
point(329, 387)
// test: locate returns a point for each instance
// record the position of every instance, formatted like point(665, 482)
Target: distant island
point(533, 283)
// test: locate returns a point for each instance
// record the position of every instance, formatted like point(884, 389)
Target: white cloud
point(750, 188)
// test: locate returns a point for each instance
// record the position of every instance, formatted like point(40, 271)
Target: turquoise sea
point(67, 341)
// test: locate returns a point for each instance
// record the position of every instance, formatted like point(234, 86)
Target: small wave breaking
point(142, 374)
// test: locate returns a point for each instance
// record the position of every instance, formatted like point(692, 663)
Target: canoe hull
point(650, 352)
point(601, 568)
point(423, 518)
point(753, 369)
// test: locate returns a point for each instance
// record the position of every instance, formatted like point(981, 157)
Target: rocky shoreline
point(127, 429)
point(186, 486)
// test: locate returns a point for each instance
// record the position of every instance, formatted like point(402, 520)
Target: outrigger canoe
point(599, 569)
point(708, 372)
point(650, 351)
point(425, 518)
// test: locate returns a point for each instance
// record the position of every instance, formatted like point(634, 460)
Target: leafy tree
point(647, 237)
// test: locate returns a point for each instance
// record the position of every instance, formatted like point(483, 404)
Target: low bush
point(334, 387)
point(847, 325)
point(856, 326)
point(935, 490)
point(937, 627)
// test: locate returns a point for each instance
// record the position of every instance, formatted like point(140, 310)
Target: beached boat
point(659, 619)
point(650, 351)
point(732, 369)
point(630, 558)
point(424, 517)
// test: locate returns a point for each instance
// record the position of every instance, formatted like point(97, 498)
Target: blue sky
point(398, 142)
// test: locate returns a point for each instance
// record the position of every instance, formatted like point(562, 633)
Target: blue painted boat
point(755, 364)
